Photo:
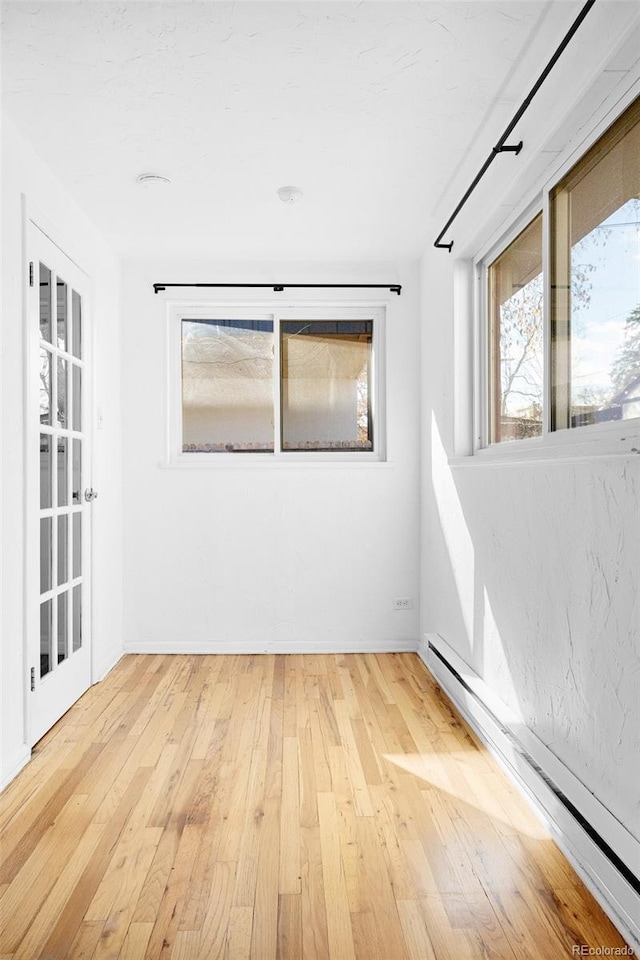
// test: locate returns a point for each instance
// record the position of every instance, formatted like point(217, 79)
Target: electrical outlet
point(403, 603)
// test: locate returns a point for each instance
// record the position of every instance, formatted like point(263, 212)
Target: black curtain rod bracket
point(501, 146)
point(280, 287)
point(515, 148)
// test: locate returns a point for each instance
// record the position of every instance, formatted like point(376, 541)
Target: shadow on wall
point(465, 616)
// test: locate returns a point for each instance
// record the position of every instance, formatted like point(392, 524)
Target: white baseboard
point(14, 767)
point(540, 777)
point(271, 646)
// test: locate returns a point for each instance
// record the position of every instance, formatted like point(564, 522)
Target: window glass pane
point(46, 554)
point(46, 471)
point(46, 636)
point(63, 548)
point(45, 386)
point(63, 627)
point(61, 290)
point(327, 385)
point(227, 386)
point(77, 545)
point(45, 303)
point(76, 325)
point(62, 392)
point(516, 338)
point(77, 471)
point(77, 398)
point(63, 474)
point(596, 281)
point(77, 618)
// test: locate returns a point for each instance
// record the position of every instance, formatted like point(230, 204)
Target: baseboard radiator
point(602, 851)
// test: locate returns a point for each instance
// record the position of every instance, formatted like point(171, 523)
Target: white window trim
point(277, 311)
point(619, 439)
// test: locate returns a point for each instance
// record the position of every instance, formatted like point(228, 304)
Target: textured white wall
point(24, 173)
point(530, 572)
point(257, 555)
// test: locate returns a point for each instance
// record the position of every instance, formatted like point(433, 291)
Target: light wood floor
point(262, 807)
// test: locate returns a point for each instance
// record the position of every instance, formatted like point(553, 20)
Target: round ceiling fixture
point(290, 194)
point(152, 180)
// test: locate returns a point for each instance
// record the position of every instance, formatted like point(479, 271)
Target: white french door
point(58, 494)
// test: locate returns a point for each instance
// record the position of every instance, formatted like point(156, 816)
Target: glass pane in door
point(46, 636)
point(45, 386)
point(63, 628)
point(45, 303)
point(62, 393)
point(77, 545)
point(77, 617)
point(76, 480)
point(63, 472)
point(61, 290)
point(63, 548)
point(46, 471)
point(77, 398)
point(46, 554)
point(76, 325)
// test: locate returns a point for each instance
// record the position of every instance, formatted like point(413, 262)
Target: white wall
point(24, 173)
point(264, 556)
point(530, 569)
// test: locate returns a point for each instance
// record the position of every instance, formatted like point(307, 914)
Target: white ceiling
point(372, 108)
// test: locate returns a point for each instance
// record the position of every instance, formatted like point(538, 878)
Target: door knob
point(90, 494)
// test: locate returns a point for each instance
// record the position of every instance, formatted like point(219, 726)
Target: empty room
point(320, 457)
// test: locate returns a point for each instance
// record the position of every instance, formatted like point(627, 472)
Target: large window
point(516, 337)
point(595, 282)
point(280, 383)
point(590, 357)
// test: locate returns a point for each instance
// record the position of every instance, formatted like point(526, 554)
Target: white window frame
point(614, 438)
point(177, 311)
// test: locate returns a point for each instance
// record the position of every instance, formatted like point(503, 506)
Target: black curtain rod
point(515, 148)
point(279, 287)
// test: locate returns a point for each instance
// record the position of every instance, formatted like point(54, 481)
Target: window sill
point(561, 447)
point(271, 461)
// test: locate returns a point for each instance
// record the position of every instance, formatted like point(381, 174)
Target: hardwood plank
point(376, 892)
point(187, 946)
point(289, 946)
point(155, 882)
point(240, 930)
point(135, 941)
point(414, 930)
point(174, 896)
point(289, 872)
point(308, 785)
point(364, 937)
point(265, 925)
point(214, 929)
point(339, 932)
point(314, 917)
point(84, 943)
point(320, 747)
point(359, 787)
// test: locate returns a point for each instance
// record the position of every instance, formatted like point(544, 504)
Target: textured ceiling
point(370, 108)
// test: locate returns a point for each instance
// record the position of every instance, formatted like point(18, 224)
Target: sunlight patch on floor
point(441, 771)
